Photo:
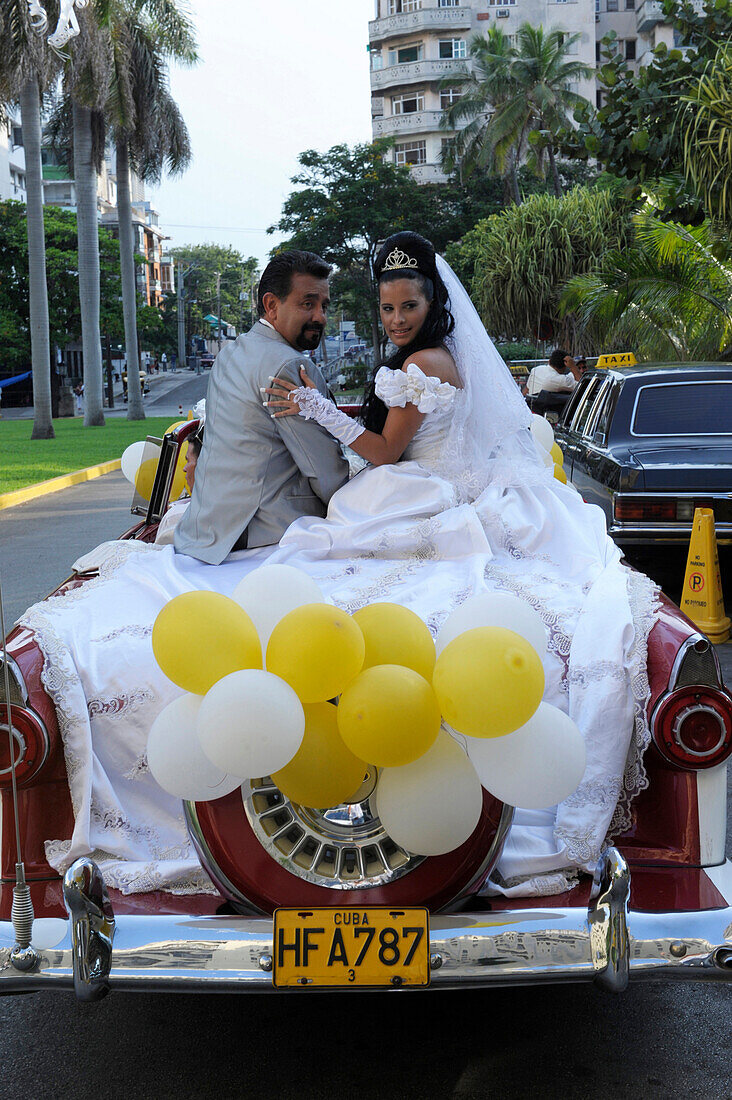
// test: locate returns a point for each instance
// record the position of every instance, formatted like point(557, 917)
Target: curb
point(43, 488)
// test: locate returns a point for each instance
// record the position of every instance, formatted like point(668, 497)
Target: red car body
point(661, 903)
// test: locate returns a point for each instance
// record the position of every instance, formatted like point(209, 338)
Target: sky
point(276, 77)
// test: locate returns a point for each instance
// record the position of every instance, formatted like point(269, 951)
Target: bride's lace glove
point(309, 402)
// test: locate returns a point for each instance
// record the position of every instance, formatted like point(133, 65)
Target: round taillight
point(30, 746)
point(692, 728)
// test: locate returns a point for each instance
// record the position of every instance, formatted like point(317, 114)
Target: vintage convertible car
point(309, 897)
point(649, 444)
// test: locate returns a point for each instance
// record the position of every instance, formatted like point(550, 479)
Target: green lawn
point(24, 461)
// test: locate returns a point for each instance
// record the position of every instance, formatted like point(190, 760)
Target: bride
point(456, 501)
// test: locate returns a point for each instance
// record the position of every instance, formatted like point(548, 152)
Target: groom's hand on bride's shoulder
point(281, 401)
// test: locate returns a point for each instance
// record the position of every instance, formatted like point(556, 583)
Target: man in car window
point(257, 474)
point(560, 375)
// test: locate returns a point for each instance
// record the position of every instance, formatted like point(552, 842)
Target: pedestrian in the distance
point(173, 363)
point(79, 391)
point(164, 361)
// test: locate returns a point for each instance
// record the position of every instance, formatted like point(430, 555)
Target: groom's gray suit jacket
point(256, 474)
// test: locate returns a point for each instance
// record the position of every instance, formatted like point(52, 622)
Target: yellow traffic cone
point(702, 598)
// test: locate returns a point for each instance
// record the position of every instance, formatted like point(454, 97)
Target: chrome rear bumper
point(605, 943)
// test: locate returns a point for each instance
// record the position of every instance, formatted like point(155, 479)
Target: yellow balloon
point(394, 635)
point(489, 681)
point(560, 474)
point(557, 454)
point(323, 772)
point(198, 637)
point(179, 482)
point(317, 649)
point(389, 716)
point(145, 477)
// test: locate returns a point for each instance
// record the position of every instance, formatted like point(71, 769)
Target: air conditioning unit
point(501, 14)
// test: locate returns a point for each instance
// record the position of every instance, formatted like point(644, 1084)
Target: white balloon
point(495, 609)
point(176, 759)
point(542, 431)
point(432, 805)
point(132, 458)
point(536, 766)
point(271, 592)
point(251, 723)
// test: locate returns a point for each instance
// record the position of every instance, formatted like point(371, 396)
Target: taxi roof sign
point(617, 359)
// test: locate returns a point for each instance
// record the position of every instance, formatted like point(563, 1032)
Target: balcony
point(648, 15)
point(416, 72)
point(428, 173)
point(418, 122)
point(415, 22)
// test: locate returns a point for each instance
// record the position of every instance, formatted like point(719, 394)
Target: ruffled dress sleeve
point(413, 387)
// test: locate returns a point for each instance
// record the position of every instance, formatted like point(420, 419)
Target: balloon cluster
point(140, 463)
point(551, 452)
point(263, 669)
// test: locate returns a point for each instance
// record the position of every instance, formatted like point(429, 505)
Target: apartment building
point(415, 45)
point(12, 161)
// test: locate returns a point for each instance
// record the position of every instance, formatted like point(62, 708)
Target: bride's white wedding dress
point(415, 533)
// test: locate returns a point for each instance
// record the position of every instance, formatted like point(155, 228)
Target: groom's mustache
point(310, 335)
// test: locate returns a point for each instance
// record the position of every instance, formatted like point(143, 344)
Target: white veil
point(488, 440)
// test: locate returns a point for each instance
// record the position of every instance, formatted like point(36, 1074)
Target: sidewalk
point(159, 384)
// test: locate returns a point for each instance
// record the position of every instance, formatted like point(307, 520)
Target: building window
point(397, 7)
point(630, 49)
point(377, 61)
point(448, 4)
point(404, 54)
point(630, 5)
point(612, 5)
point(501, 3)
point(407, 104)
point(452, 48)
point(448, 96)
point(411, 152)
point(598, 100)
point(598, 52)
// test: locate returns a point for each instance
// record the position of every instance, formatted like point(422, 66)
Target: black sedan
point(649, 444)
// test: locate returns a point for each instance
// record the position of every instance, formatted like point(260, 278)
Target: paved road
point(564, 1042)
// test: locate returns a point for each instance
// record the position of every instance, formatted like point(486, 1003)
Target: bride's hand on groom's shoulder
point(281, 401)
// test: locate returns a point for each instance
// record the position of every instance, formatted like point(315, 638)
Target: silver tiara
point(397, 259)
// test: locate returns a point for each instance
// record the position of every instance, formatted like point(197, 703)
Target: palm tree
point(484, 90)
point(86, 83)
point(27, 67)
point(149, 133)
point(669, 294)
point(518, 91)
point(116, 81)
point(707, 130)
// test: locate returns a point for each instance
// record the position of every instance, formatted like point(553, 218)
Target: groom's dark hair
point(277, 275)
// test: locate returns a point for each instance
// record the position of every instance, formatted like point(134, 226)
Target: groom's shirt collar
point(264, 321)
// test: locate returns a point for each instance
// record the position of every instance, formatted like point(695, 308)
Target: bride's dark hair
point(409, 256)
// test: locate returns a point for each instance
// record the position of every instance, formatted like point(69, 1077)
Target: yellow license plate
point(351, 947)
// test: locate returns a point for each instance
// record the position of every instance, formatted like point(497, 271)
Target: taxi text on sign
point(617, 359)
point(702, 598)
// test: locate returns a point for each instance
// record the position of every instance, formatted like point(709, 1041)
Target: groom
point(256, 474)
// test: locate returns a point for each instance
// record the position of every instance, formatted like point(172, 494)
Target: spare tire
point(263, 851)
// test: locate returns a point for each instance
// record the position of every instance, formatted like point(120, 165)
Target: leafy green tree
point(349, 200)
point(517, 263)
point(518, 98)
point(668, 294)
point(707, 126)
point(62, 262)
point(205, 263)
point(638, 133)
point(27, 69)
